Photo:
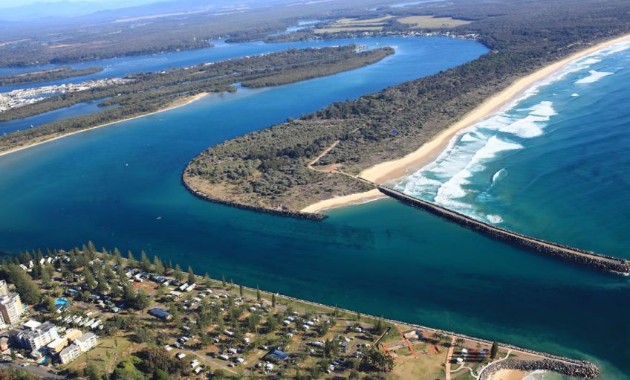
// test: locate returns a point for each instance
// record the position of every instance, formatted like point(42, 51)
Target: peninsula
point(47, 75)
point(145, 93)
point(319, 157)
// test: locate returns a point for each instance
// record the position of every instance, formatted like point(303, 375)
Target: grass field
point(355, 21)
point(106, 355)
point(430, 22)
point(354, 25)
point(348, 29)
point(375, 24)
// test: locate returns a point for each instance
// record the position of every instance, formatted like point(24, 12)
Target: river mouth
point(120, 186)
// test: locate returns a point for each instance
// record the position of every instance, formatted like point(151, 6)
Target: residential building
point(31, 324)
point(39, 336)
point(4, 289)
point(11, 308)
point(69, 353)
point(72, 334)
point(57, 345)
point(161, 313)
point(86, 341)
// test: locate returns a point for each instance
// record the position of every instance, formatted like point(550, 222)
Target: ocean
point(553, 164)
point(120, 187)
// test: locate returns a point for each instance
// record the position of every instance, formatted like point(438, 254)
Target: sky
point(114, 3)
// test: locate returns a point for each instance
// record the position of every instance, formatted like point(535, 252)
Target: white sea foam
point(543, 109)
point(502, 173)
point(494, 219)
point(593, 77)
point(450, 179)
point(590, 61)
point(524, 128)
point(418, 184)
point(468, 137)
point(531, 125)
point(454, 187)
point(492, 148)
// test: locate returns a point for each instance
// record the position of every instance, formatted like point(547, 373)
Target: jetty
point(591, 259)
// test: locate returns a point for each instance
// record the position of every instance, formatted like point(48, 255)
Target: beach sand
point(345, 201)
point(428, 152)
point(508, 374)
point(176, 104)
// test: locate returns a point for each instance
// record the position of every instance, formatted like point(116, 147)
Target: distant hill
point(63, 9)
point(86, 10)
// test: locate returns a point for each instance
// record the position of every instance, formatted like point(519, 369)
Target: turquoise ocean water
point(553, 164)
point(120, 186)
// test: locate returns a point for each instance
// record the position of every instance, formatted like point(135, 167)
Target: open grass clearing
point(109, 352)
point(348, 29)
point(430, 22)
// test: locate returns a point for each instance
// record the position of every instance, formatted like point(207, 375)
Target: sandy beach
point(176, 104)
point(509, 374)
point(391, 170)
point(346, 200)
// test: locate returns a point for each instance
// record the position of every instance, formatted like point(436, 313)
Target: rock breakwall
point(594, 260)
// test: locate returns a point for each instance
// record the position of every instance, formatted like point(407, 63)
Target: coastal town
point(22, 97)
point(290, 189)
point(87, 313)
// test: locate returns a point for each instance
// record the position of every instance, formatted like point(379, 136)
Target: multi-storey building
point(39, 337)
point(69, 353)
point(10, 308)
point(86, 341)
point(4, 289)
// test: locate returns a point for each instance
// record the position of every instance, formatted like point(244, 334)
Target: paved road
point(41, 372)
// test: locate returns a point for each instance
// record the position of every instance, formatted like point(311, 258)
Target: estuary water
point(120, 186)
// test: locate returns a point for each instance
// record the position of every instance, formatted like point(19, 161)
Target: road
point(38, 371)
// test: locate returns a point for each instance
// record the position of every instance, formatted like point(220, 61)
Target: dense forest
point(48, 75)
point(148, 92)
point(269, 168)
point(115, 34)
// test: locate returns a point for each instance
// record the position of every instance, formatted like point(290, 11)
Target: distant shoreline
point(176, 104)
point(429, 151)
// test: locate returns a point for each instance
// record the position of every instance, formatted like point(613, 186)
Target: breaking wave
point(593, 77)
point(465, 175)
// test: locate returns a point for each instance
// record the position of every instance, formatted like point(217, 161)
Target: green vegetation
point(16, 374)
point(228, 331)
point(120, 35)
point(494, 350)
point(148, 92)
point(48, 75)
point(270, 168)
point(24, 284)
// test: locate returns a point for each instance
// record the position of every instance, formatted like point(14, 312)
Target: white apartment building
point(39, 336)
point(10, 308)
point(69, 353)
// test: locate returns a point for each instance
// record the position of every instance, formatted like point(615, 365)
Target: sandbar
point(345, 200)
point(176, 104)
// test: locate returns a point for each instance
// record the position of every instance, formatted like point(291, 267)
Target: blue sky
point(115, 3)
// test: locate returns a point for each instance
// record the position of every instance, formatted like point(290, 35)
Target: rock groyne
point(280, 212)
point(572, 368)
point(594, 260)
